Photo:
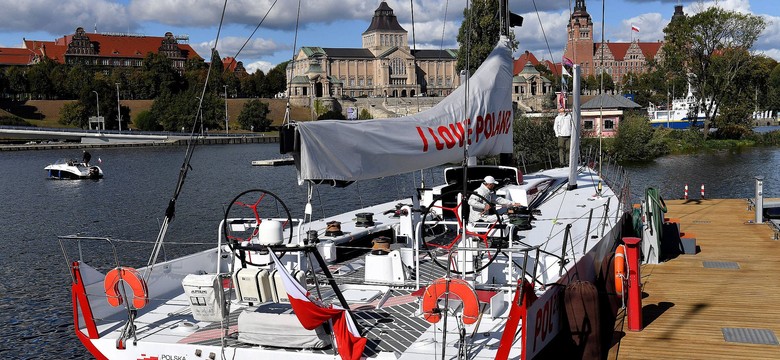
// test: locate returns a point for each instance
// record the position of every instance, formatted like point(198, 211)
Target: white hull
point(164, 327)
point(70, 169)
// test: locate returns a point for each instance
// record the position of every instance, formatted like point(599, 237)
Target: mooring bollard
point(685, 195)
point(702, 191)
point(634, 309)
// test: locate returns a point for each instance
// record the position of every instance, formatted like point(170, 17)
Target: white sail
point(366, 149)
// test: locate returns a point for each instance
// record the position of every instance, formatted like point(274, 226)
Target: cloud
point(263, 66)
point(58, 17)
point(651, 28)
point(229, 46)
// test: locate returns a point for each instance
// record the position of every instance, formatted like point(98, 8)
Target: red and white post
point(685, 195)
point(702, 191)
point(634, 309)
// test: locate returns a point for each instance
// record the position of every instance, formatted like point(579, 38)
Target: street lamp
point(118, 109)
point(226, 113)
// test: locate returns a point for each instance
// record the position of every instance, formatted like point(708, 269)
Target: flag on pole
point(634, 28)
point(565, 72)
point(311, 313)
point(567, 61)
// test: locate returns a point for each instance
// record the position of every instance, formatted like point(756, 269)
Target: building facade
point(614, 58)
point(384, 66)
point(101, 49)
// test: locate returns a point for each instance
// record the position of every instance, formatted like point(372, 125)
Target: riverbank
point(177, 142)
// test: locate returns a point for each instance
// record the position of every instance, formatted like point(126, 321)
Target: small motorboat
point(73, 170)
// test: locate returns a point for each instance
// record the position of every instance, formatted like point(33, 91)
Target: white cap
point(490, 180)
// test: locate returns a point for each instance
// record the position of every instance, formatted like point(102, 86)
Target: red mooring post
point(634, 309)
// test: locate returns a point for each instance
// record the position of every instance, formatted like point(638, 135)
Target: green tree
point(254, 116)
point(332, 115)
point(276, 80)
point(39, 77)
point(364, 115)
point(479, 33)
point(708, 46)
point(146, 122)
point(75, 114)
point(773, 89)
point(17, 82)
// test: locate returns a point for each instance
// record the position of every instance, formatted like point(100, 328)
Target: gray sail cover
point(366, 149)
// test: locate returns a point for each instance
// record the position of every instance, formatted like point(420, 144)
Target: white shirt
point(563, 125)
point(477, 204)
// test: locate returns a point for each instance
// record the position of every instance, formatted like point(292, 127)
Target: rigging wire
point(251, 35)
point(170, 211)
point(286, 120)
point(554, 69)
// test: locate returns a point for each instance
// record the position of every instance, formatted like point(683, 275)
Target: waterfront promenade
point(717, 303)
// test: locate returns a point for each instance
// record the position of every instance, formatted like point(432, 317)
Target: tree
point(146, 122)
point(332, 115)
point(479, 33)
point(74, 113)
point(773, 91)
point(276, 79)
point(364, 115)
point(254, 116)
point(712, 46)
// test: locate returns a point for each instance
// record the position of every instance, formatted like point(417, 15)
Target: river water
point(35, 305)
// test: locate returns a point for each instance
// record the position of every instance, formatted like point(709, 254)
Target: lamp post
point(226, 113)
point(118, 109)
point(97, 96)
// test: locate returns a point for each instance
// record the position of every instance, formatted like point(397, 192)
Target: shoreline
point(179, 142)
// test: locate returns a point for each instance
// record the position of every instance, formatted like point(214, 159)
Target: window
point(360, 82)
point(609, 124)
point(370, 81)
point(587, 124)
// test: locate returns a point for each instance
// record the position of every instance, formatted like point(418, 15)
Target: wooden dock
point(693, 302)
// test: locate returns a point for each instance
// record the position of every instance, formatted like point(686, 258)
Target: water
point(35, 305)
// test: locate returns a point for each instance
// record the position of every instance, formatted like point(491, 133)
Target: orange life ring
point(620, 269)
point(459, 288)
point(133, 279)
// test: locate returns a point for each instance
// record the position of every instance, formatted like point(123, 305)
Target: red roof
point(650, 49)
point(554, 67)
point(229, 64)
point(16, 56)
point(110, 46)
point(522, 60)
point(619, 49)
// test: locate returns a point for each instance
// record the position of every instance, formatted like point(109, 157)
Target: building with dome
point(385, 66)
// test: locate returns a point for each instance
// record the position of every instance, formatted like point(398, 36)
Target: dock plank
point(687, 305)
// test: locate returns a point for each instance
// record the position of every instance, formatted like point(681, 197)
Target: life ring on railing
point(620, 269)
point(459, 288)
point(133, 279)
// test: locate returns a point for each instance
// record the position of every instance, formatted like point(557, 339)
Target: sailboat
point(431, 283)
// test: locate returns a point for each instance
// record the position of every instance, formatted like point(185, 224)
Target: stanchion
point(685, 196)
point(702, 191)
point(634, 309)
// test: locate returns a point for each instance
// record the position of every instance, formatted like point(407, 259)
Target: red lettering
point(457, 131)
point(424, 140)
point(537, 326)
point(439, 145)
point(446, 135)
point(488, 126)
point(480, 127)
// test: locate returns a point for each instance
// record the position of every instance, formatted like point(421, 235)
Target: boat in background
point(684, 113)
point(70, 169)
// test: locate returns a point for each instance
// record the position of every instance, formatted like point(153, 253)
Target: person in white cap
point(480, 208)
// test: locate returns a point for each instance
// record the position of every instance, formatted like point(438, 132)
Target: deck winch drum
point(333, 229)
point(364, 219)
point(269, 232)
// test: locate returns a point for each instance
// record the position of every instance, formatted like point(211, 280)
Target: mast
point(574, 147)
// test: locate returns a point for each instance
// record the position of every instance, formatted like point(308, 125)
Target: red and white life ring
point(457, 287)
point(133, 279)
point(620, 269)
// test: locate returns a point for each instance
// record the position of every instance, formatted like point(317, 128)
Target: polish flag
point(311, 313)
point(634, 28)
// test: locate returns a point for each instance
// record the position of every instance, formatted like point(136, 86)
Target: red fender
point(459, 288)
point(133, 279)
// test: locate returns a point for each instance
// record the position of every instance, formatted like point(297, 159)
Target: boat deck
point(697, 305)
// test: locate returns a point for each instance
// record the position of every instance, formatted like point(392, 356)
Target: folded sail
point(366, 149)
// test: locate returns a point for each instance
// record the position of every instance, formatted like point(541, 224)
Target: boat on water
point(683, 113)
point(73, 170)
point(413, 278)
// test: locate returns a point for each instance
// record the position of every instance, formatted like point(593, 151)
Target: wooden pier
point(693, 303)
point(274, 162)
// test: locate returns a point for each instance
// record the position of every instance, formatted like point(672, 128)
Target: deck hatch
point(721, 265)
point(750, 336)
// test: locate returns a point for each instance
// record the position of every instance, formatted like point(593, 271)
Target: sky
point(339, 24)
